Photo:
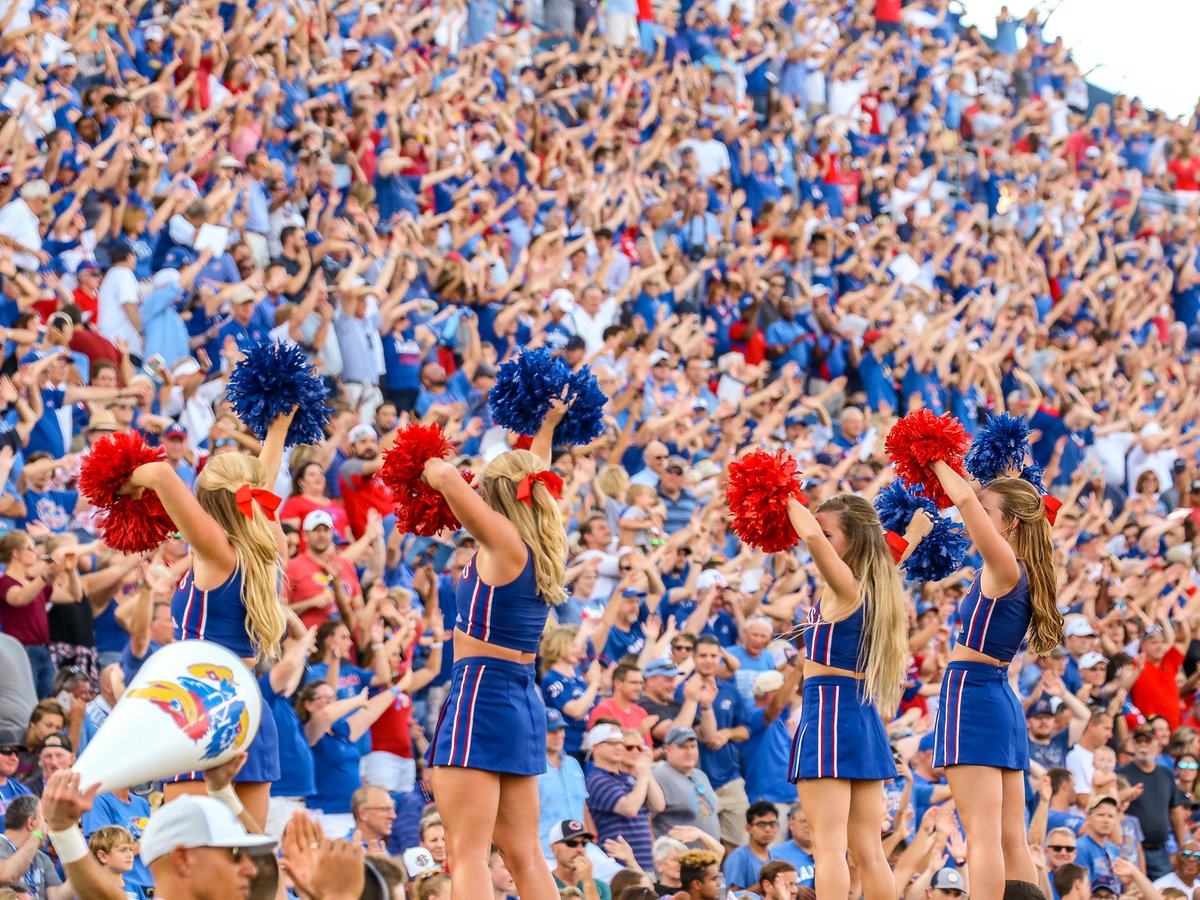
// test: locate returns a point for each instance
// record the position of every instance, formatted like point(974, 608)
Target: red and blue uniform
point(980, 721)
point(841, 732)
point(219, 615)
point(493, 718)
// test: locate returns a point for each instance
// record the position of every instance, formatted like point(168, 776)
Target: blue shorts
point(493, 719)
point(841, 734)
point(980, 721)
point(262, 764)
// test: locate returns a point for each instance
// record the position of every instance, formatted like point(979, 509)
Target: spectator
point(700, 875)
point(568, 843)
point(621, 801)
point(374, 812)
point(742, 865)
point(1095, 850)
point(622, 707)
point(1159, 807)
point(1080, 760)
point(22, 860)
point(562, 787)
point(688, 797)
point(1185, 868)
point(798, 849)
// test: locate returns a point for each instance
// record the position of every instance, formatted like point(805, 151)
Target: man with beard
point(362, 489)
point(320, 574)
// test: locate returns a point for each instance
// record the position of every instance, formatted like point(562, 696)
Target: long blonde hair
point(253, 544)
point(884, 645)
point(539, 524)
point(1031, 543)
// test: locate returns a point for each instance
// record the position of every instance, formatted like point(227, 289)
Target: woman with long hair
point(231, 593)
point(980, 734)
point(856, 652)
point(489, 744)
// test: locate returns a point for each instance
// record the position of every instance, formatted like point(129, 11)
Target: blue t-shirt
point(765, 759)
point(133, 814)
point(54, 509)
point(297, 776)
point(336, 761)
point(741, 867)
point(558, 690)
point(730, 709)
point(798, 857)
point(1097, 859)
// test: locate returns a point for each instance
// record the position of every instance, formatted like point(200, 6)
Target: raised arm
point(833, 569)
point(1000, 568)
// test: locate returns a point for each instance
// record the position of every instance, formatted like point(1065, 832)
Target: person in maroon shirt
point(82, 339)
point(30, 582)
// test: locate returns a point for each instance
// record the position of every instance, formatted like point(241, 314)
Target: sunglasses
point(1187, 766)
point(1061, 848)
point(624, 568)
point(576, 842)
point(1190, 854)
point(687, 647)
point(9, 751)
point(631, 747)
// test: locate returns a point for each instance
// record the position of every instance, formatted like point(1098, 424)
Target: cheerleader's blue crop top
point(835, 644)
point(511, 615)
point(995, 627)
point(218, 615)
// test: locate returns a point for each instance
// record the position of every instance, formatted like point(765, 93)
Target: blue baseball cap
point(927, 743)
point(554, 720)
point(949, 879)
point(1085, 537)
point(661, 667)
point(925, 606)
point(1040, 707)
point(177, 258)
point(962, 206)
point(1108, 883)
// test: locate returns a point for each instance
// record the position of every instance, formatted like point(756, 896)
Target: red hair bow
point(247, 496)
point(1051, 506)
point(553, 483)
point(896, 544)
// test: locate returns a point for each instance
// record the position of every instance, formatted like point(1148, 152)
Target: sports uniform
point(493, 718)
point(841, 733)
point(219, 615)
point(980, 721)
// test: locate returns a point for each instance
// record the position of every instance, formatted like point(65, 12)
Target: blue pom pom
point(584, 421)
point(1000, 446)
point(941, 553)
point(1033, 474)
point(525, 386)
point(269, 380)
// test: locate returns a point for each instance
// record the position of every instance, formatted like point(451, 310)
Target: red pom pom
point(760, 485)
point(419, 508)
point(110, 462)
point(129, 524)
point(919, 440)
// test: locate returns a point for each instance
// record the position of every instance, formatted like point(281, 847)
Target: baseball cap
point(562, 299)
point(659, 356)
point(679, 735)
point(1145, 730)
point(102, 420)
point(361, 432)
point(56, 740)
point(1088, 660)
point(767, 682)
point(185, 367)
point(1109, 883)
point(175, 431)
point(191, 822)
point(948, 880)
point(928, 741)
point(419, 861)
point(554, 720)
point(677, 462)
point(316, 519)
point(568, 829)
point(371, 9)
point(154, 33)
point(1040, 707)
point(661, 667)
point(710, 577)
point(1085, 537)
point(602, 733)
point(1103, 798)
point(1079, 628)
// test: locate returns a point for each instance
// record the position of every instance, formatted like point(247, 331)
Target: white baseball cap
point(361, 432)
point(316, 519)
point(1088, 660)
point(601, 733)
point(191, 822)
point(708, 578)
point(418, 861)
point(562, 299)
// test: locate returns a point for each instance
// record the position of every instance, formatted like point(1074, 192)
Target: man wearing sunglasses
point(568, 843)
point(1185, 869)
point(10, 761)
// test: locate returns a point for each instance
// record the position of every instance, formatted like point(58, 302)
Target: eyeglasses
point(1061, 848)
point(774, 823)
point(576, 842)
point(1189, 766)
point(390, 809)
point(687, 647)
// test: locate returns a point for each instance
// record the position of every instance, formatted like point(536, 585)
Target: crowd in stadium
point(777, 224)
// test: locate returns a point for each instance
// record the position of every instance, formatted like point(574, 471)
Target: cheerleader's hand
point(436, 470)
point(558, 408)
point(918, 527)
point(221, 777)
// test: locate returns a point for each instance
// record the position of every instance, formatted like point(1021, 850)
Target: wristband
point(40, 835)
point(958, 861)
point(69, 845)
point(377, 646)
point(227, 796)
point(896, 544)
point(436, 645)
point(396, 692)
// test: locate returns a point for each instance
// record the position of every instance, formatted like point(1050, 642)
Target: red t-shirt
point(630, 718)
point(755, 350)
point(298, 506)
point(888, 10)
point(1155, 693)
point(362, 493)
point(1186, 172)
point(89, 304)
point(391, 733)
point(29, 624)
point(307, 579)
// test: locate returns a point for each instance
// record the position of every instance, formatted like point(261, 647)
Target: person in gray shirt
point(17, 694)
point(691, 800)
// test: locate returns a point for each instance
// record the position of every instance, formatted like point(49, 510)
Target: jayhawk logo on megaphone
point(204, 705)
point(193, 705)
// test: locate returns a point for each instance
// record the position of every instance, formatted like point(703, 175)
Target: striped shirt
point(605, 790)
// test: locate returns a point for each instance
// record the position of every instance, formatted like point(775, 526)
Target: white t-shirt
point(712, 157)
point(1171, 880)
point(118, 289)
point(1081, 763)
point(18, 222)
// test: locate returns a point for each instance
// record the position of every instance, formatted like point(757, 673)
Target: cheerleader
point(980, 735)
point(230, 595)
point(489, 744)
point(856, 651)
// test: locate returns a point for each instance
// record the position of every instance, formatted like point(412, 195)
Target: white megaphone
point(192, 706)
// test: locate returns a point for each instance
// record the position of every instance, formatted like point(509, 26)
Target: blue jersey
point(765, 759)
point(995, 627)
point(558, 690)
point(511, 615)
point(835, 644)
point(216, 615)
point(297, 772)
point(798, 857)
point(336, 761)
point(730, 709)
